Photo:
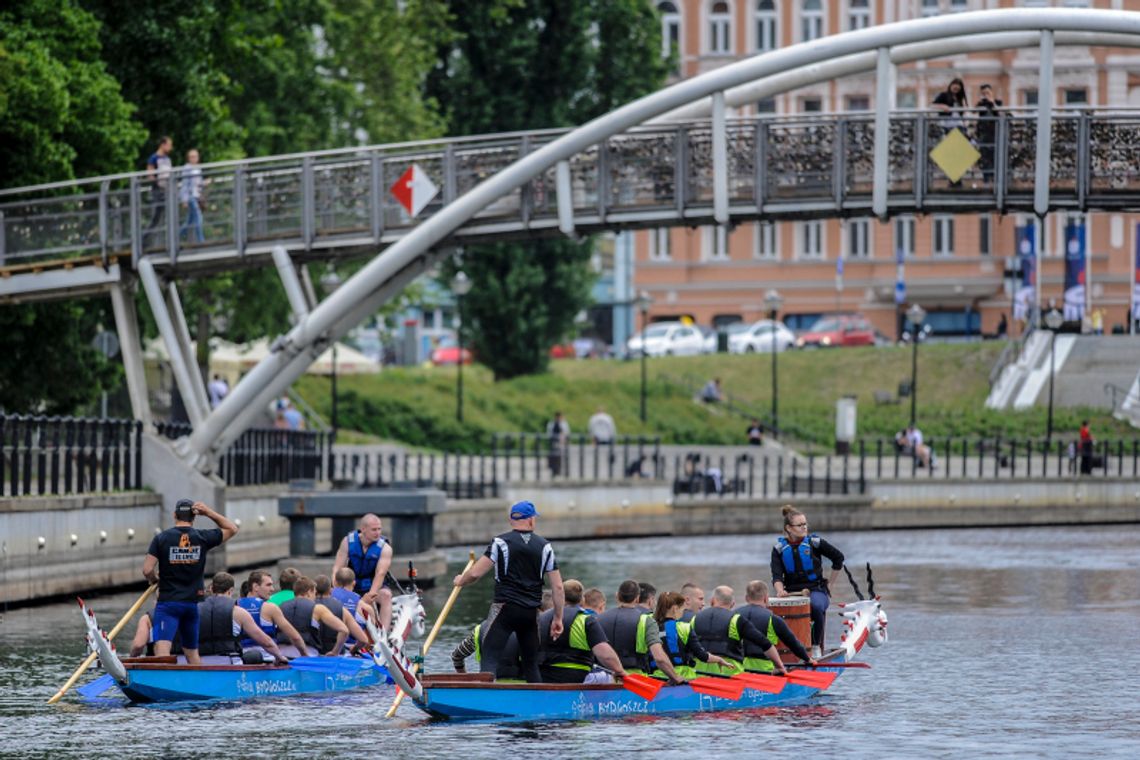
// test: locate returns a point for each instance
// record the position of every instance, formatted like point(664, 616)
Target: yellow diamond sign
point(954, 155)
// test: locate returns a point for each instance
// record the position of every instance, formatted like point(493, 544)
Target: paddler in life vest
point(797, 565)
point(694, 601)
point(265, 613)
point(723, 632)
point(570, 657)
point(634, 634)
point(756, 612)
point(221, 623)
point(311, 619)
point(681, 645)
point(369, 556)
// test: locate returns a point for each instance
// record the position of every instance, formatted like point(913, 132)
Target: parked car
point(708, 339)
point(447, 352)
point(667, 339)
point(761, 336)
point(838, 330)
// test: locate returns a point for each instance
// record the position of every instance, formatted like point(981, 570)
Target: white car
point(667, 339)
point(762, 336)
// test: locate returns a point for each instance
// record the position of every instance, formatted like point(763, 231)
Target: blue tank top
point(252, 605)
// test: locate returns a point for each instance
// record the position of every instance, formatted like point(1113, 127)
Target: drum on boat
point(796, 612)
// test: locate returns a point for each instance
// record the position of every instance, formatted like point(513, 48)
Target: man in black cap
point(521, 560)
point(176, 561)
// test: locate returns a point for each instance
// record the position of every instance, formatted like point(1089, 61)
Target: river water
point(1004, 643)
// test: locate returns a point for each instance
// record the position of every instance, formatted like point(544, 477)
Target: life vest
point(799, 560)
point(675, 639)
point(299, 612)
point(216, 634)
point(572, 651)
point(754, 658)
point(362, 562)
point(478, 642)
point(253, 605)
point(327, 635)
point(625, 631)
point(719, 632)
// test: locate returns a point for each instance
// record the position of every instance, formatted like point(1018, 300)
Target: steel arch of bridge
point(760, 76)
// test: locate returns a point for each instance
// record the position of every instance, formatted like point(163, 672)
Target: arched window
point(670, 28)
point(720, 28)
point(811, 20)
point(767, 26)
point(858, 14)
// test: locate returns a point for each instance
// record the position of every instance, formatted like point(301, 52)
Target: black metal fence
point(268, 455)
point(538, 457)
point(68, 455)
point(460, 476)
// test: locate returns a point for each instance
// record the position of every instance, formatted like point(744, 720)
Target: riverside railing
point(267, 455)
point(68, 455)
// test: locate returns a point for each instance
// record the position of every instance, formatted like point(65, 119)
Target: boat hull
point(147, 683)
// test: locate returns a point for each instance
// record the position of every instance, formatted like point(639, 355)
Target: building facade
point(957, 267)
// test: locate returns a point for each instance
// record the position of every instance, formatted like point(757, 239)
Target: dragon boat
point(165, 679)
point(476, 696)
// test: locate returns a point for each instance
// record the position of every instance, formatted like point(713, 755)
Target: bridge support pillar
point(884, 103)
point(565, 193)
point(127, 325)
point(289, 279)
point(182, 373)
point(182, 332)
point(1044, 126)
point(719, 159)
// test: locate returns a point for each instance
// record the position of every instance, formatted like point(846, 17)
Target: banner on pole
point(1027, 253)
point(1075, 270)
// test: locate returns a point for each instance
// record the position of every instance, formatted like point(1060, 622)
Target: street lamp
point(773, 301)
point(915, 314)
point(330, 281)
point(460, 286)
point(1053, 320)
point(643, 303)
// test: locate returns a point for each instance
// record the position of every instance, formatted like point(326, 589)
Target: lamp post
point(915, 314)
point(773, 301)
point(460, 286)
point(330, 281)
point(643, 303)
point(1053, 320)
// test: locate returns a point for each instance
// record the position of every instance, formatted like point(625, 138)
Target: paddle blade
point(643, 686)
point(726, 688)
point(761, 682)
point(815, 679)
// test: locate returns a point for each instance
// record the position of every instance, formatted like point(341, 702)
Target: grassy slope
point(417, 405)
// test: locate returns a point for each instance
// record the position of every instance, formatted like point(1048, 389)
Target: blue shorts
point(177, 617)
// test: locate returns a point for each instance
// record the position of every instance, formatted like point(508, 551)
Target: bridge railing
point(267, 455)
point(804, 165)
point(42, 456)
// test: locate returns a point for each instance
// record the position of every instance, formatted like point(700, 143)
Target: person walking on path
point(797, 565)
point(176, 561)
point(522, 560)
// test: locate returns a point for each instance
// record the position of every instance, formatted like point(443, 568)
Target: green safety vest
point(478, 652)
point(733, 635)
point(763, 664)
point(578, 641)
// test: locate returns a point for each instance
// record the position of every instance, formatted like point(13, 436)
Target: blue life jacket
point(252, 605)
point(807, 561)
point(363, 563)
point(673, 643)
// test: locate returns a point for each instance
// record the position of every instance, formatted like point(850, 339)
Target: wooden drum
point(796, 612)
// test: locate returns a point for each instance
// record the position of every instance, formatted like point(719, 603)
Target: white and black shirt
point(522, 559)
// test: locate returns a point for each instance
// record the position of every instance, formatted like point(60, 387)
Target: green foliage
point(531, 64)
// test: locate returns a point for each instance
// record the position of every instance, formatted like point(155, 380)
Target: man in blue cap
point(522, 559)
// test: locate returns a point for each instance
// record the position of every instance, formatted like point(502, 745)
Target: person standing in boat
point(756, 612)
point(522, 560)
point(176, 561)
point(797, 565)
point(724, 632)
point(682, 646)
point(369, 555)
point(570, 658)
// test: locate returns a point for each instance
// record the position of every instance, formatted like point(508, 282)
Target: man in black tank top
point(521, 560)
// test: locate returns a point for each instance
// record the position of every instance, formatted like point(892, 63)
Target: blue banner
point(1027, 254)
point(1136, 278)
point(1074, 272)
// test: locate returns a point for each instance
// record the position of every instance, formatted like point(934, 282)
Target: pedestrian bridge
point(674, 157)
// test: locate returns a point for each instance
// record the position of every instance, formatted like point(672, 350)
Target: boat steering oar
point(434, 632)
point(91, 657)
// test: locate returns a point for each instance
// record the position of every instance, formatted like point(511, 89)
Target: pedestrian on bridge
point(158, 175)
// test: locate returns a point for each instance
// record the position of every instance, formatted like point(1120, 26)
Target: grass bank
point(417, 405)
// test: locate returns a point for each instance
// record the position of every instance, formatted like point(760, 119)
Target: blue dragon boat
point(476, 696)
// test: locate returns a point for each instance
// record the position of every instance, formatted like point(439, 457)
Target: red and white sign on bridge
point(414, 190)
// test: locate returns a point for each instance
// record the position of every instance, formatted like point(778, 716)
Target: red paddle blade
point(761, 682)
point(725, 688)
point(643, 686)
point(815, 679)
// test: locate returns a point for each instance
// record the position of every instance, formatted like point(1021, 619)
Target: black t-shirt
point(521, 559)
point(181, 554)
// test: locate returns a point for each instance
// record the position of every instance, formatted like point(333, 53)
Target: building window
point(906, 99)
point(904, 235)
point(858, 238)
point(715, 243)
point(929, 8)
point(1077, 97)
point(767, 26)
point(858, 14)
point(659, 247)
point(959, 6)
point(1029, 97)
point(720, 29)
point(943, 236)
point(811, 240)
point(858, 103)
point(670, 28)
point(985, 232)
point(811, 20)
point(813, 104)
point(765, 241)
point(767, 105)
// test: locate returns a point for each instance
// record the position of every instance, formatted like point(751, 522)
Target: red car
point(447, 353)
point(838, 330)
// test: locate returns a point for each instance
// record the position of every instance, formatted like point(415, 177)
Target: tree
point(531, 64)
point(62, 115)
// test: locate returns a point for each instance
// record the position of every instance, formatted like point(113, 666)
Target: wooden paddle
point(91, 657)
point(726, 688)
point(431, 636)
